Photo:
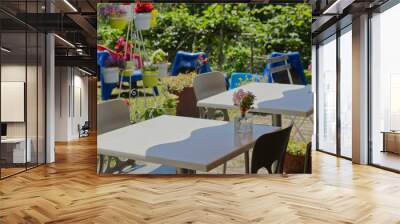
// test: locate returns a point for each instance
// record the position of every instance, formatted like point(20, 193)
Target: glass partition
point(22, 77)
point(327, 95)
point(385, 89)
point(346, 92)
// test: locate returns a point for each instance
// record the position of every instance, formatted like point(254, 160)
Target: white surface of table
point(272, 98)
point(20, 155)
point(189, 143)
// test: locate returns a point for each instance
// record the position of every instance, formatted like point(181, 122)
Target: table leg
point(247, 162)
point(185, 171)
point(277, 120)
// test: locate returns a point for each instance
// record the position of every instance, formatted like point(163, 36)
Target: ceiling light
point(65, 41)
point(70, 5)
point(84, 71)
point(5, 50)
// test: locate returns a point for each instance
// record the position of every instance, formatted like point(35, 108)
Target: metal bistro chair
point(111, 115)
point(277, 65)
point(269, 151)
point(206, 85)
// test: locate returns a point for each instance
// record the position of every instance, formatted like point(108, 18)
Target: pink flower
point(238, 96)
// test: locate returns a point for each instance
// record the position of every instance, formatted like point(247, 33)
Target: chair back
point(111, 115)
point(308, 160)
point(209, 84)
point(270, 149)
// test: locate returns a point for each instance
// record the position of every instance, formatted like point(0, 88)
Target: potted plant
point(159, 59)
point(150, 76)
point(169, 105)
point(295, 157)
point(112, 68)
point(143, 15)
point(182, 86)
point(116, 15)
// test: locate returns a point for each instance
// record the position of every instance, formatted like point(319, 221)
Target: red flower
point(143, 7)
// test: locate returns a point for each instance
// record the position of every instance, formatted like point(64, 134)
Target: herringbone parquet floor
point(70, 191)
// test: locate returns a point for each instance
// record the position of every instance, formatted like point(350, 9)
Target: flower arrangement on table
point(244, 100)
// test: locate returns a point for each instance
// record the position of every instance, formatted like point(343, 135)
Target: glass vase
point(243, 124)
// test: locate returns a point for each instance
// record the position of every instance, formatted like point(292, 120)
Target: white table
point(187, 143)
point(271, 98)
point(17, 146)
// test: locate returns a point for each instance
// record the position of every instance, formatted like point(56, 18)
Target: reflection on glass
point(385, 84)
point(327, 95)
point(15, 151)
point(346, 93)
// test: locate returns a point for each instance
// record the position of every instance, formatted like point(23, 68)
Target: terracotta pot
point(187, 105)
point(293, 164)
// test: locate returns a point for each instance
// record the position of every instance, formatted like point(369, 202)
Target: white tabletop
point(273, 98)
point(190, 143)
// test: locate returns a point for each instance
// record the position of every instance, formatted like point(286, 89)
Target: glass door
point(326, 132)
point(385, 89)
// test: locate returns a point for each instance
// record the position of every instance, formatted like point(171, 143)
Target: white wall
point(71, 102)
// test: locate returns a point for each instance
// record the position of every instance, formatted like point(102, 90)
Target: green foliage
point(175, 84)
point(170, 103)
point(149, 69)
point(228, 32)
point(153, 112)
point(159, 56)
point(108, 36)
point(296, 148)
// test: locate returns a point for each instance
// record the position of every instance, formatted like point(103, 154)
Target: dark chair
point(269, 148)
point(308, 160)
point(84, 129)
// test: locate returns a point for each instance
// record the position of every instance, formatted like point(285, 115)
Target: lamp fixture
point(5, 49)
point(70, 5)
point(65, 41)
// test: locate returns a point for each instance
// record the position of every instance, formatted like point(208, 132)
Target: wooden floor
point(70, 191)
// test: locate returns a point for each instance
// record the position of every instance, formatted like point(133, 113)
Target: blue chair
point(296, 66)
point(238, 77)
point(106, 88)
point(187, 60)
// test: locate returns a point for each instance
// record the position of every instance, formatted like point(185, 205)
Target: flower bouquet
point(244, 100)
point(143, 17)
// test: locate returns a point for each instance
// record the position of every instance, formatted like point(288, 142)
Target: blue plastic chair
point(238, 77)
point(106, 88)
point(187, 60)
point(295, 62)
